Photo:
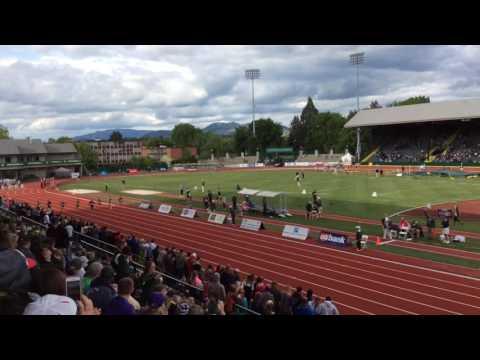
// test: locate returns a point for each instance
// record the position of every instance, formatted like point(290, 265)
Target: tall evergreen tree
point(300, 127)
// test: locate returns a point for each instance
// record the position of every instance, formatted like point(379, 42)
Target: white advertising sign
point(144, 205)
point(188, 213)
point(217, 218)
point(165, 209)
point(295, 232)
point(250, 224)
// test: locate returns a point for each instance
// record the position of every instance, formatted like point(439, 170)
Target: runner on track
point(92, 204)
point(78, 204)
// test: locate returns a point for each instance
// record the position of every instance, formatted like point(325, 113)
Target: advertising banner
point(188, 213)
point(334, 238)
point(144, 205)
point(165, 209)
point(250, 224)
point(217, 218)
point(295, 232)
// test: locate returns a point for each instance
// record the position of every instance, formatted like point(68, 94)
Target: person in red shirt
point(404, 224)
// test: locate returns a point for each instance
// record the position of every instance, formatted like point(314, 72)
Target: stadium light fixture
point(357, 59)
point(253, 74)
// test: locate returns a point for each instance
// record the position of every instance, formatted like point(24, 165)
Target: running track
point(360, 283)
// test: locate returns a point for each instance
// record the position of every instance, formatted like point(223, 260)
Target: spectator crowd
point(123, 275)
point(449, 143)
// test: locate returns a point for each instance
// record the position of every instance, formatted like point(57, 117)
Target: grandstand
point(443, 133)
point(161, 286)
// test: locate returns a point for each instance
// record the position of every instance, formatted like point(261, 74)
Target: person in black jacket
point(358, 237)
point(264, 205)
point(210, 197)
point(308, 209)
point(123, 263)
point(231, 209)
point(234, 202)
point(102, 289)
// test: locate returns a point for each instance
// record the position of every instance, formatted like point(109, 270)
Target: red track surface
point(360, 283)
point(462, 254)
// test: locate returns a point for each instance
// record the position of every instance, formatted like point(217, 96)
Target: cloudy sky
point(49, 91)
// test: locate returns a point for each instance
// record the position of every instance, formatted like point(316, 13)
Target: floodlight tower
point(357, 59)
point(253, 74)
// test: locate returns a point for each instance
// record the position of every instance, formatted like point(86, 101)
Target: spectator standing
point(386, 228)
point(308, 209)
point(358, 237)
point(328, 307)
point(93, 271)
point(121, 305)
point(231, 210)
point(180, 264)
point(303, 307)
point(124, 268)
point(102, 289)
point(216, 289)
point(446, 228)
point(52, 300)
point(148, 279)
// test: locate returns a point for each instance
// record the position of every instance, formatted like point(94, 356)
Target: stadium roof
point(410, 114)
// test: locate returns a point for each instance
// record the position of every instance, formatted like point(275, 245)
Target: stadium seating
point(441, 144)
point(161, 285)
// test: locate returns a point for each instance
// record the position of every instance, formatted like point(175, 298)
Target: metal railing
point(110, 249)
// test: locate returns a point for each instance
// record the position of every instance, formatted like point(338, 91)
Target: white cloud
point(53, 90)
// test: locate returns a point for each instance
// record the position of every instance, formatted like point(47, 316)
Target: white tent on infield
point(281, 197)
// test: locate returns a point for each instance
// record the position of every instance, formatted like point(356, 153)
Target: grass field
point(341, 194)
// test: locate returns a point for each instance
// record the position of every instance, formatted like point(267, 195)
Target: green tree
point(241, 139)
point(412, 101)
point(4, 133)
point(51, 141)
point(88, 156)
point(300, 127)
point(184, 135)
point(375, 105)
point(116, 136)
point(64, 140)
point(267, 134)
point(219, 144)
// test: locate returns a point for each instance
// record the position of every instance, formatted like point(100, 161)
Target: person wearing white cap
point(52, 305)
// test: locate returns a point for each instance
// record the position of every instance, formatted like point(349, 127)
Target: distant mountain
point(126, 133)
point(222, 128)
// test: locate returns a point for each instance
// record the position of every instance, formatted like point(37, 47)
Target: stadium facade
point(31, 157)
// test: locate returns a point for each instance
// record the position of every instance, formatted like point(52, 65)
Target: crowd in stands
point(36, 260)
point(465, 149)
point(448, 143)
